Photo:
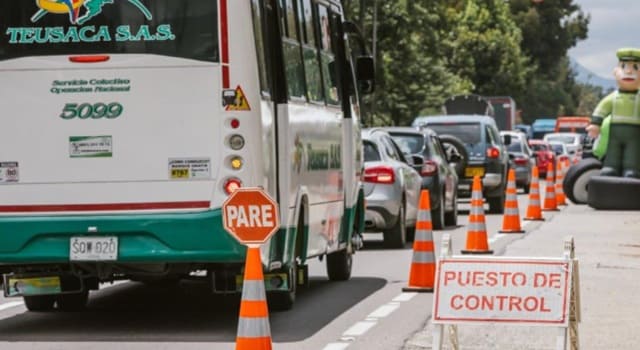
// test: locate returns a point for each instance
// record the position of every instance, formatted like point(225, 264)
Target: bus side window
point(292, 51)
point(327, 57)
point(258, 23)
point(310, 52)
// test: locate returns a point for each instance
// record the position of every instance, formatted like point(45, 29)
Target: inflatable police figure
point(623, 109)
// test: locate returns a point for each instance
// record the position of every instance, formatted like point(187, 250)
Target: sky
point(614, 24)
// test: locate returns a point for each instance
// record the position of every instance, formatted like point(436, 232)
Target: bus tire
point(38, 303)
point(614, 193)
point(339, 265)
point(577, 178)
point(73, 301)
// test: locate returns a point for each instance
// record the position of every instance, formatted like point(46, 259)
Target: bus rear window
point(185, 28)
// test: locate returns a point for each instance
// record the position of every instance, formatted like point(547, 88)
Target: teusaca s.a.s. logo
point(80, 11)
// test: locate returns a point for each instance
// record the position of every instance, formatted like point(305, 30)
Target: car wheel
point(454, 146)
point(39, 302)
point(437, 215)
point(496, 204)
point(451, 217)
point(577, 179)
point(614, 193)
point(396, 237)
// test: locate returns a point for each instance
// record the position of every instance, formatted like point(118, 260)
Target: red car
point(544, 153)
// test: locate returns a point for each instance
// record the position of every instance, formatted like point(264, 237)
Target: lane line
point(384, 310)
point(336, 346)
point(11, 304)
point(359, 329)
point(405, 297)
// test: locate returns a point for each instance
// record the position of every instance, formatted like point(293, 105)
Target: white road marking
point(336, 346)
point(10, 305)
point(404, 297)
point(384, 310)
point(359, 328)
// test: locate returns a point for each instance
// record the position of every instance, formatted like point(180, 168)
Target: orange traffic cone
point(560, 199)
point(423, 265)
point(550, 203)
point(511, 217)
point(254, 332)
point(477, 242)
point(534, 212)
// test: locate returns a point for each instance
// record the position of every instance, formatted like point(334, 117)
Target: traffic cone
point(550, 203)
point(560, 198)
point(477, 242)
point(534, 212)
point(423, 265)
point(254, 332)
point(511, 217)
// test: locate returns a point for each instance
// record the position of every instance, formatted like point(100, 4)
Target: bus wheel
point(283, 300)
point(73, 302)
point(339, 265)
point(39, 302)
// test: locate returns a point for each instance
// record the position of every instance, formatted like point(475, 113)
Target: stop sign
point(250, 215)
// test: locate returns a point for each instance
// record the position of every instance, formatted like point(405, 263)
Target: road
point(370, 311)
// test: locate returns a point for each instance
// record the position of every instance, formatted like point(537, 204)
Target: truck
point(504, 108)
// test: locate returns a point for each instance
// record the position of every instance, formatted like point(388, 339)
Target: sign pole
point(438, 329)
point(574, 299)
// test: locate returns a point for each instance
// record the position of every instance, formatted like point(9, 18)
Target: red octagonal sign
point(250, 215)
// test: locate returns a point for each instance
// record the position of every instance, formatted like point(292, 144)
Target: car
point(486, 154)
point(391, 187)
point(573, 140)
point(522, 157)
point(561, 151)
point(526, 129)
point(544, 155)
point(438, 174)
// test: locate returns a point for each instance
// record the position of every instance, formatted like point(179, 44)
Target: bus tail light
point(89, 59)
point(429, 168)
point(230, 185)
point(380, 175)
point(493, 152)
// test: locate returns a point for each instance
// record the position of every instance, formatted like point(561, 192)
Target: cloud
point(613, 25)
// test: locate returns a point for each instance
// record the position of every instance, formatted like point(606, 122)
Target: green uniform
point(623, 149)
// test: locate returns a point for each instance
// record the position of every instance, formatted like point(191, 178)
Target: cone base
point(476, 251)
point(418, 289)
point(511, 231)
point(534, 219)
point(551, 209)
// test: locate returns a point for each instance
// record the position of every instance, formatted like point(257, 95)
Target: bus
point(126, 124)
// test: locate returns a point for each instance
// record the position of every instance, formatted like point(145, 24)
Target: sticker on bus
point(237, 103)
point(9, 172)
point(189, 168)
point(90, 146)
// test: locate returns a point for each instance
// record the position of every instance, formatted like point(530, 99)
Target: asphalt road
point(370, 311)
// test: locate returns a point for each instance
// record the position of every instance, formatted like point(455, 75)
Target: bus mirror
point(365, 73)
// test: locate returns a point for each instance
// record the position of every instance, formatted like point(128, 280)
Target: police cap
point(628, 54)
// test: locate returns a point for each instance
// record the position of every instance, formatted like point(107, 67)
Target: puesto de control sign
point(502, 290)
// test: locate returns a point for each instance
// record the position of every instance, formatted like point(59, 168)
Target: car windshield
point(469, 133)
point(539, 147)
point(557, 148)
point(561, 138)
point(370, 152)
point(515, 147)
point(410, 143)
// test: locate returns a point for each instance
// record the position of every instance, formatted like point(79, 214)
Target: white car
point(573, 141)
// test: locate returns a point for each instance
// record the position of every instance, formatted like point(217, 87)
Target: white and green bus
point(125, 124)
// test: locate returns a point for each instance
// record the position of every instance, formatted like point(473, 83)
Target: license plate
point(93, 248)
point(473, 171)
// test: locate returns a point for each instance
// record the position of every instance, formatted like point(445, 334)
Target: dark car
point(522, 157)
point(486, 154)
point(438, 176)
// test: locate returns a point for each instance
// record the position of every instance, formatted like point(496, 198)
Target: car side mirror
point(506, 139)
point(418, 162)
point(365, 74)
